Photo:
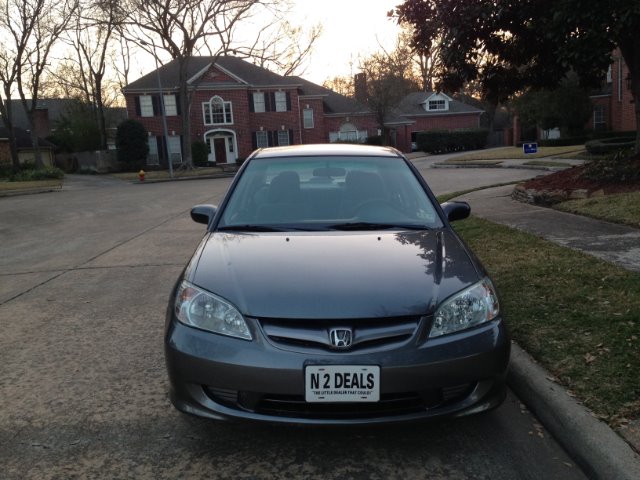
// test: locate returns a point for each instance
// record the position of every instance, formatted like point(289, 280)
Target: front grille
point(313, 335)
point(294, 406)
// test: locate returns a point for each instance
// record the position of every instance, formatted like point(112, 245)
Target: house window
point(283, 137)
point(281, 102)
point(170, 107)
point(146, 106)
point(175, 149)
point(307, 117)
point(153, 158)
point(437, 105)
point(599, 122)
point(217, 112)
point(258, 102)
point(262, 139)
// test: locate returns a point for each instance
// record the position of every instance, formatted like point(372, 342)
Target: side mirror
point(456, 210)
point(203, 213)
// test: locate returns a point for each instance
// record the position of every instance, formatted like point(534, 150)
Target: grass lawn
point(620, 208)
point(506, 153)
point(577, 315)
point(6, 186)
point(164, 174)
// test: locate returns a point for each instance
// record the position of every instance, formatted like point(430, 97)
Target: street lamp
point(162, 109)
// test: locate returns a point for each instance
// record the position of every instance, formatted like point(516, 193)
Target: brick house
point(422, 111)
point(238, 107)
point(613, 107)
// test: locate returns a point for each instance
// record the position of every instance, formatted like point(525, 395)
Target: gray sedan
point(329, 288)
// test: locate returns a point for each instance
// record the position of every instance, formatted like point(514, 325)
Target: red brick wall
point(622, 108)
point(317, 134)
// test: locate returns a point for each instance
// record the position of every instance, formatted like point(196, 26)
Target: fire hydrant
point(141, 175)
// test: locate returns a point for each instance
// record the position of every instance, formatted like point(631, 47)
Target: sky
point(350, 28)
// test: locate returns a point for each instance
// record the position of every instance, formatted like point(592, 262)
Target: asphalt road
point(85, 274)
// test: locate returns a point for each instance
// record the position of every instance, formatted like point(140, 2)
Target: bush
point(374, 140)
point(30, 175)
point(609, 145)
point(132, 144)
point(621, 166)
point(200, 153)
point(442, 141)
point(563, 142)
point(598, 135)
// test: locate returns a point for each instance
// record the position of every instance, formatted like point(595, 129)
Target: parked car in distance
point(330, 288)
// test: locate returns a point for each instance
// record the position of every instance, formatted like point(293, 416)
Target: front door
point(220, 150)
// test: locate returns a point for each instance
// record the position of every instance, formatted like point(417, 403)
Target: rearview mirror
point(203, 213)
point(456, 210)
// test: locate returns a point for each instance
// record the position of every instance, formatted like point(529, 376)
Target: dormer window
point(437, 105)
point(436, 102)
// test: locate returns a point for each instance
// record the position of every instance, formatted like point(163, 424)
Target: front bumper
point(224, 378)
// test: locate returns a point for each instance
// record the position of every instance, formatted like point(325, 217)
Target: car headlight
point(198, 308)
point(470, 307)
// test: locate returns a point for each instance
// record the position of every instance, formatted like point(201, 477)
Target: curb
point(182, 179)
point(498, 165)
point(599, 451)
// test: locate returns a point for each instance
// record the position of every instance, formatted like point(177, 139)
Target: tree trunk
point(7, 119)
point(102, 128)
point(35, 144)
point(185, 104)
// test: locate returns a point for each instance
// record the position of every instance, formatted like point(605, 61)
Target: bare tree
point(389, 78)
point(341, 84)
point(286, 49)
point(31, 29)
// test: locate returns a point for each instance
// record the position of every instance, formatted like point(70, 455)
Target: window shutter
point(272, 95)
point(267, 102)
point(288, 101)
point(270, 138)
point(254, 140)
point(178, 109)
point(291, 136)
point(155, 105)
point(138, 111)
point(160, 147)
point(251, 107)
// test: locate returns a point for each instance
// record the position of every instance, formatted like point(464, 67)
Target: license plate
point(342, 383)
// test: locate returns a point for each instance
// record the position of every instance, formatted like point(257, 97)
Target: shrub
point(30, 175)
point(621, 166)
point(132, 144)
point(442, 141)
point(374, 140)
point(563, 142)
point(609, 145)
point(200, 153)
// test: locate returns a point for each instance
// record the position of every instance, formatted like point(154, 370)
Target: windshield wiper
point(376, 226)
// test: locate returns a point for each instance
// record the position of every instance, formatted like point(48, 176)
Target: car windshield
point(328, 193)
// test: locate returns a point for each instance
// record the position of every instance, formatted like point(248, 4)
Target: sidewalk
point(600, 451)
point(617, 244)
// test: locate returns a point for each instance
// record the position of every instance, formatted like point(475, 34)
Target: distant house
point(613, 107)
point(50, 110)
point(25, 148)
point(422, 111)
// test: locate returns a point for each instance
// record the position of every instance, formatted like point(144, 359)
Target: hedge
point(442, 141)
point(609, 145)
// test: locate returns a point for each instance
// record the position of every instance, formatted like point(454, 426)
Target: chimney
point(360, 87)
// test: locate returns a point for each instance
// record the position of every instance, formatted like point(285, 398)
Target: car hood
point(331, 275)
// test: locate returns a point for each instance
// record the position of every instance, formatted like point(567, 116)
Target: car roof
point(327, 149)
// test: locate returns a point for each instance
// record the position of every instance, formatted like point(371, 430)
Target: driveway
point(85, 274)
